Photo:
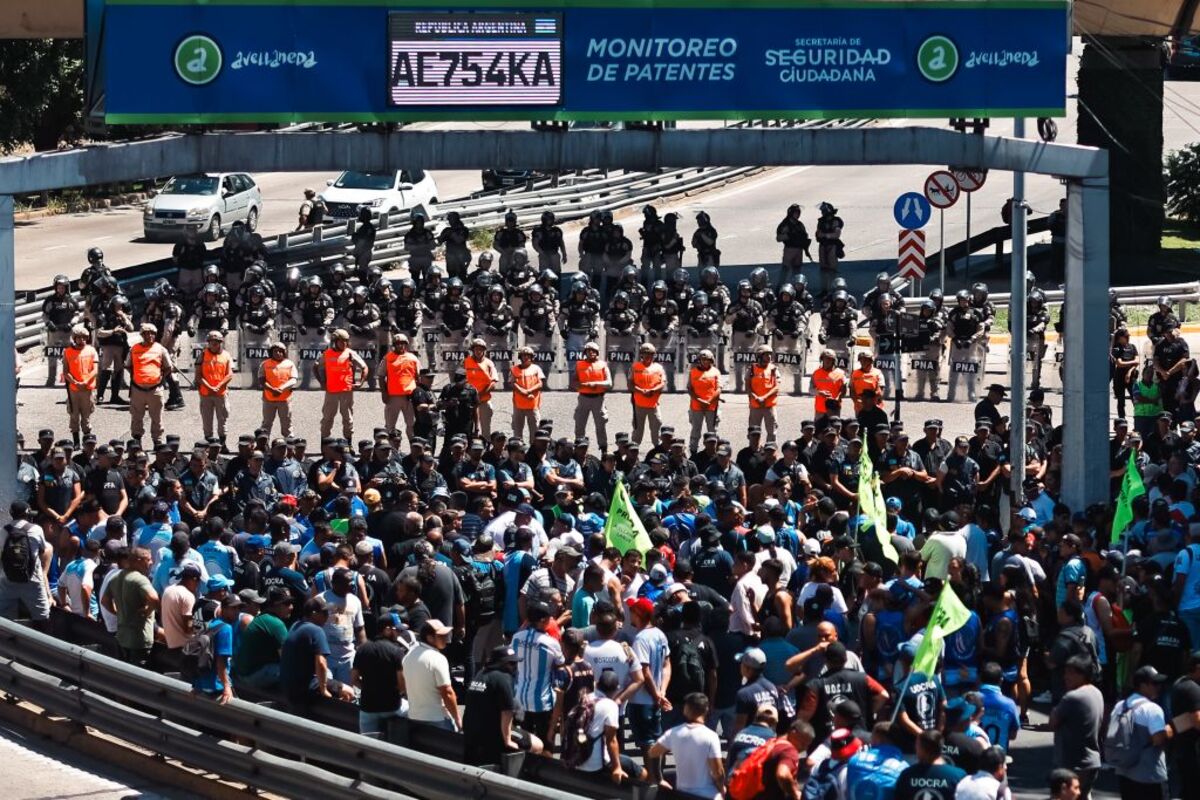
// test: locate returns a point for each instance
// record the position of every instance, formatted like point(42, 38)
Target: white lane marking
point(55, 247)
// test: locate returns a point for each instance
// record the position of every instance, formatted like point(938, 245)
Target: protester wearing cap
point(148, 364)
point(593, 380)
point(648, 380)
point(80, 368)
point(256, 657)
point(866, 376)
point(704, 389)
point(762, 389)
point(213, 375)
point(528, 379)
point(378, 674)
point(1144, 773)
point(431, 696)
point(278, 377)
point(398, 371)
point(828, 385)
point(304, 674)
point(482, 374)
point(988, 407)
point(489, 730)
point(340, 371)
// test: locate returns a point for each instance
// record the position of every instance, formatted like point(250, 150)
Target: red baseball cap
point(642, 604)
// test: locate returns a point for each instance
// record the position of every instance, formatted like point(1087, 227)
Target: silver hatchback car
point(208, 204)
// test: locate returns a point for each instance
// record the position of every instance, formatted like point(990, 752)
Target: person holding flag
point(872, 509)
point(624, 529)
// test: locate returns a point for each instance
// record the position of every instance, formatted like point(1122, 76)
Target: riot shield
point(621, 352)
point(500, 351)
point(924, 378)
point(667, 345)
point(791, 354)
point(449, 354)
point(966, 370)
point(545, 355)
point(255, 350)
point(310, 348)
point(843, 350)
point(742, 346)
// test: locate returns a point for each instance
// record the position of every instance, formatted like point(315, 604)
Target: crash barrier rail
point(322, 756)
point(317, 249)
point(993, 237)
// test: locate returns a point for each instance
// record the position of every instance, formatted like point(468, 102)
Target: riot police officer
point(549, 244)
point(837, 326)
point(830, 249)
point(1037, 319)
point(113, 325)
point(1116, 315)
point(632, 287)
point(660, 318)
point(704, 242)
point(680, 290)
point(363, 320)
point(507, 240)
point(760, 284)
point(746, 315)
point(60, 312)
point(883, 328)
point(883, 288)
point(188, 255)
point(927, 366)
point(164, 311)
point(651, 235)
point(289, 296)
point(538, 319)
point(792, 234)
point(618, 254)
point(314, 316)
point(381, 294)
point(454, 237)
point(593, 241)
point(578, 322)
point(938, 299)
point(838, 285)
point(521, 275)
point(407, 308)
point(95, 270)
point(339, 288)
point(979, 299)
point(212, 314)
point(788, 326)
point(456, 315)
point(254, 277)
point(1156, 325)
point(420, 243)
point(671, 243)
point(362, 243)
point(257, 331)
point(497, 319)
point(966, 327)
point(718, 293)
point(433, 292)
point(621, 319)
point(215, 274)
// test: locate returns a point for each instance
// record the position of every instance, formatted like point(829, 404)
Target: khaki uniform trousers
point(338, 403)
point(214, 405)
point(277, 408)
point(80, 406)
point(142, 402)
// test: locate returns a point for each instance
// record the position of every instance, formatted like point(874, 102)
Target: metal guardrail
point(268, 749)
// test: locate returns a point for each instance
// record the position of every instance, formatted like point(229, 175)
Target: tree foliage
point(41, 92)
point(1182, 177)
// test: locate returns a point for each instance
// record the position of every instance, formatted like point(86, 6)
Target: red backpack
point(746, 783)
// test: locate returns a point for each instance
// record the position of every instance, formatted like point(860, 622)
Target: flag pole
point(900, 696)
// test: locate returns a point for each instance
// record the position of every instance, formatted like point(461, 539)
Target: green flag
point(871, 504)
point(948, 616)
point(1131, 487)
point(624, 529)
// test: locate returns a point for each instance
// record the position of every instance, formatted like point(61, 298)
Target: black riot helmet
point(95, 256)
point(659, 286)
point(801, 283)
point(212, 274)
point(679, 277)
point(1036, 298)
point(417, 219)
point(453, 218)
point(258, 294)
point(360, 295)
point(364, 215)
point(979, 292)
point(759, 279)
point(547, 217)
point(373, 275)
point(786, 291)
point(927, 305)
point(882, 282)
point(496, 295)
point(212, 290)
point(710, 277)
point(839, 283)
point(338, 273)
point(963, 297)
point(629, 274)
point(702, 218)
point(407, 285)
point(62, 281)
point(535, 292)
point(579, 288)
point(621, 300)
point(163, 288)
point(106, 284)
point(744, 287)
point(700, 299)
point(841, 296)
point(293, 277)
point(510, 219)
point(313, 285)
point(936, 295)
point(255, 272)
point(454, 287)
point(649, 212)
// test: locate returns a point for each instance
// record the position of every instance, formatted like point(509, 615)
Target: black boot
point(75, 438)
point(174, 396)
point(224, 447)
point(115, 398)
point(102, 384)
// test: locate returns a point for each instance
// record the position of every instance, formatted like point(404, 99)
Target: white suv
point(383, 192)
point(208, 204)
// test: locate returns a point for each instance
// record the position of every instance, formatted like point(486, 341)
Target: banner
point(624, 529)
point(279, 61)
point(871, 505)
point(948, 616)
point(1131, 487)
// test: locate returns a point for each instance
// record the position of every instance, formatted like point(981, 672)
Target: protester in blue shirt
point(214, 682)
point(1001, 718)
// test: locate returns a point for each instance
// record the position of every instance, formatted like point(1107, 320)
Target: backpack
point(577, 745)
point(316, 214)
point(1119, 741)
point(825, 783)
point(19, 555)
point(687, 666)
point(746, 783)
point(486, 596)
point(197, 652)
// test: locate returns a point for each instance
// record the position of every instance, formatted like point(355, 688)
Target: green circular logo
point(198, 60)
point(937, 58)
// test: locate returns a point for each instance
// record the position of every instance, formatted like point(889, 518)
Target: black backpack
point(197, 651)
point(487, 598)
point(687, 666)
point(19, 555)
point(577, 745)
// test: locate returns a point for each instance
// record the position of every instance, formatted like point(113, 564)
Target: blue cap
point(568, 520)
point(261, 542)
point(217, 582)
point(461, 546)
point(894, 504)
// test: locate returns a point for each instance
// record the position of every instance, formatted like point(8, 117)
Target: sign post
point(969, 180)
point(942, 190)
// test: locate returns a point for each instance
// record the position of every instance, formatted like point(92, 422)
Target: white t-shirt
point(785, 557)
point(981, 786)
point(694, 745)
point(1188, 563)
point(36, 535)
point(345, 617)
point(810, 590)
point(650, 647)
point(611, 654)
point(425, 671)
point(74, 578)
point(606, 715)
point(110, 619)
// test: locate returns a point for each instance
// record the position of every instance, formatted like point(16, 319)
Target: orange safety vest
point(79, 362)
point(860, 381)
point(763, 380)
point(277, 373)
point(147, 361)
point(591, 372)
point(706, 388)
point(530, 379)
point(213, 368)
point(647, 378)
point(832, 381)
point(481, 375)
point(339, 370)
point(401, 370)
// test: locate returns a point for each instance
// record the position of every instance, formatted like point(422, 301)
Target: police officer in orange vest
point(278, 377)
point(482, 374)
point(593, 379)
point(340, 372)
point(763, 382)
point(704, 387)
point(148, 363)
point(398, 373)
point(828, 385)
point(80, 368)
point(212, 381)
point(649, 379)
point(527, 382)
point(867, 376)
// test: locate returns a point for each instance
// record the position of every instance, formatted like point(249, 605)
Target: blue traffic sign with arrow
point(912, 211)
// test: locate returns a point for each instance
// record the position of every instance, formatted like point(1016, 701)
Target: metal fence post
point(8, 357)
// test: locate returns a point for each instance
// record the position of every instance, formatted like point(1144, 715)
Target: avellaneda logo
point(198, 59)
point(937, 58)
